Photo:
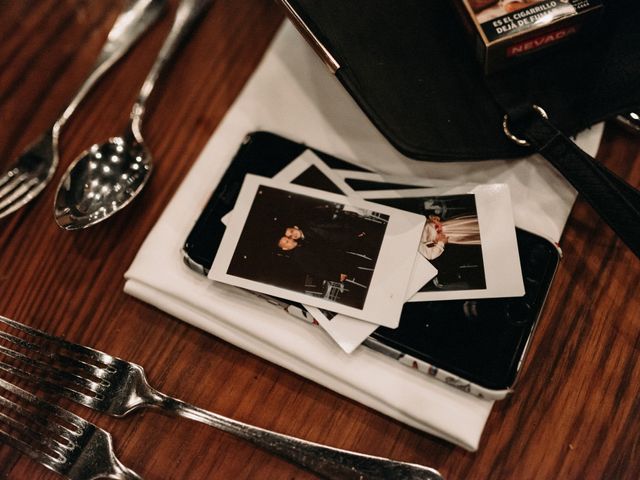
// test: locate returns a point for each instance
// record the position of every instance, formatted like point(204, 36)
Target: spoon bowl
point(107, 177)
point(102, 180)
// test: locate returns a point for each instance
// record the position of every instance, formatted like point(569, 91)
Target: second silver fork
point(115, 386)
point(57, 438)
point(35, 166)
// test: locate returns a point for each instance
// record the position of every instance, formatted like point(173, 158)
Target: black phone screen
point(484, 340)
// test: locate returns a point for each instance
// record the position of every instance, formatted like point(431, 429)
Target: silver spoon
point(107, 177)
point(36, 165)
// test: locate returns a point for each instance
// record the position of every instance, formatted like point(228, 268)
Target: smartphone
point(477, 346)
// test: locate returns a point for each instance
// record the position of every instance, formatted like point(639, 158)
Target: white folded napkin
point(293, 95)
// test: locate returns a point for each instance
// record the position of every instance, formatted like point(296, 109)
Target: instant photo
point(320, 249)
point(469, 237)
point(310, 171)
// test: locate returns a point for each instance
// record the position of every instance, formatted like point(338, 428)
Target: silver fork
point(57, 438)
point(36, 165)
point(115, 386)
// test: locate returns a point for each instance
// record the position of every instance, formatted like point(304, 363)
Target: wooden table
point(576, 412)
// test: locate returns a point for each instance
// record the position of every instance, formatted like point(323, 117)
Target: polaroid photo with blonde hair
point(469, 237)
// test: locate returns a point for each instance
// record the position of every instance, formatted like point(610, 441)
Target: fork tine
point(91, 353)
point(43, 406)
point(27, 449)
point(10, 182)
point(61, 441)
point(35, 436)
point(59, 383)
point(37, 429)
point(50, 356)
point(43, 365)
point(16, 194)
point(71, 370)
point(9, 175)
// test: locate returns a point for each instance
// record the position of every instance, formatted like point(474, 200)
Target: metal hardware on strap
point(511, 136)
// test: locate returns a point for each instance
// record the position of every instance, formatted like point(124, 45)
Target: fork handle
point(132, 22)
point(328, 462)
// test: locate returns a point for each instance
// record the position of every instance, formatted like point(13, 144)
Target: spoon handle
point(186, 15)
point(132, 22)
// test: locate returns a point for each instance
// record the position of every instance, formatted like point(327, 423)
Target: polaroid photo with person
point(338, 253)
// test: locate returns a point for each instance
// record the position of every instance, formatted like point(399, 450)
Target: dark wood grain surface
point(576, 412)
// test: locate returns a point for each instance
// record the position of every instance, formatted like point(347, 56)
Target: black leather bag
point(411, 68)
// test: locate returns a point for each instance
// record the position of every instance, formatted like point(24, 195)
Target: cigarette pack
point(508, 31)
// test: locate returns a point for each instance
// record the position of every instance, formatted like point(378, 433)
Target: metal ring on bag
point(511, 136)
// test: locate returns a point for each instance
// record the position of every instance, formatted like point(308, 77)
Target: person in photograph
point(330, 250)
point(338, 252)
point(462, 230)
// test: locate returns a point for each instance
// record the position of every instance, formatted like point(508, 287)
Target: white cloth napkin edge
point(187, 313)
